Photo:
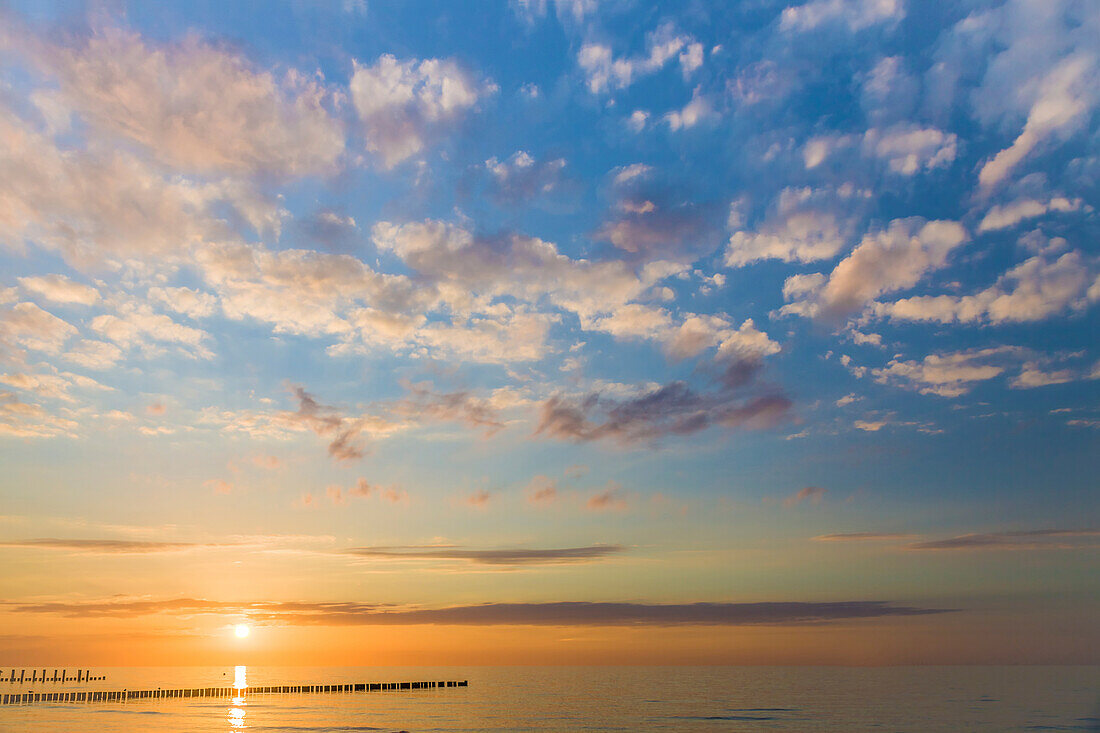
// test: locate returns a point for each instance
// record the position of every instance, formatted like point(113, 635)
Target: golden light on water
point(241, 630)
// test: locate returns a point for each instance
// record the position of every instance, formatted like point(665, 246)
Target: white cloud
point(1035, 289)
point(92, 354)
point(690, 114)
point(947, 375)
point(909, 149)
point(187, 301)
point(404, 103)
point(25, 325)
point(604, 72)
point(1033, 375)
point(803, 225)
point(886, 261)
point(60, 289)
point(1011, 214)
point(854, 14)
point(198, 107)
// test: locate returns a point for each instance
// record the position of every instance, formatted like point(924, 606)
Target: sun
point(241, 630)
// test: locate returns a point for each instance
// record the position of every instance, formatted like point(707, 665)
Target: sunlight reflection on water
point(591, 699)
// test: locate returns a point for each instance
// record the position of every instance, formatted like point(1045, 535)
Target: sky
point(548, 332)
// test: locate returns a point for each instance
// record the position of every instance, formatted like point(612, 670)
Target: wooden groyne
point(59, 675)
point(87, 696)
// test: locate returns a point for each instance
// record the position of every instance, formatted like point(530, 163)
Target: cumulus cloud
point(92, 354)
point(136, 325)
point(102, 202)
point(908, 149)
point(802, 225)
point(200, 107)
point(1033, 290)
point(26, 326)
point(60, 289)
point(885, 261)
point(521, 177)
point(855, 15)
point(604, 72)
point(196, 106)
point(190, 302)
point(403, 104)
point(19, 419)
point(955, 373)
point(1062, 99)
point(1011, 214)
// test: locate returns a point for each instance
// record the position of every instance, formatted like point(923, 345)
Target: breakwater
point(91, 696)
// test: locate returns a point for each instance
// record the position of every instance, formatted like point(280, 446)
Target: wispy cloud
point(519, 556)
point(565, 613)
point(111, 547)
point(1053, 539)
point(863, 537)
point(811, 494)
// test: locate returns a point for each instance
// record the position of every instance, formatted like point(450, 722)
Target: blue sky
point(701, 302)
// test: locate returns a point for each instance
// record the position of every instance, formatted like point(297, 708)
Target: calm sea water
point(595, 699)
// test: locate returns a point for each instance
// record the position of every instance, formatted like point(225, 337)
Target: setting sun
point(241, 630)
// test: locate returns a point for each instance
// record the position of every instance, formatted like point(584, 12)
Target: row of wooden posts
point(124, 695)
point(63, 675)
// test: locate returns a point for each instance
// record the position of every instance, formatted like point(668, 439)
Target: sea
point(924, 699)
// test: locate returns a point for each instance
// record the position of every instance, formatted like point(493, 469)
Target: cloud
point(855, 15)
point(610, 499)
point(671, 409)
point(92, 354)
point(862, 537)
point(136, 325)
point(1033, 375)
point(461, 407)
point(479, 499)
point(604, 72)
point(102, 202)
point(884, 262)
point(1033, 290)
point(60, 289)
point(25, 325)
point(1035, 539)
point(192, 303)
point(949, 374)
point(566, 613)
point(802, 225)
point(542, 490)
point(110, 547)
point(810, 494)
point(521, 177)
point(517, 556)
point(333, 230)
point(325, 421)
point(691, 114)
point(20, 419)
point(196, 106)
point(52, 386)
point(1011, 214)
point(1062, 100)
point(403, 104)
point(909, 149)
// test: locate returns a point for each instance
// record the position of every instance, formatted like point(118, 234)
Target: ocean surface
point(590, 699)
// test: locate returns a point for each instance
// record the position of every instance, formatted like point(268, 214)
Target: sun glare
point(241, 630)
